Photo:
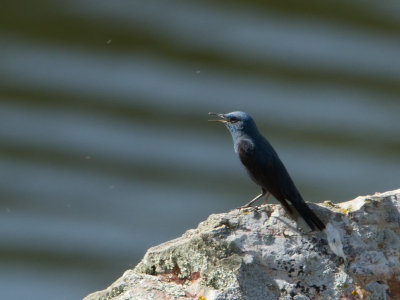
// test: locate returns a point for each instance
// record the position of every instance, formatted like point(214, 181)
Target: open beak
point(222, 120)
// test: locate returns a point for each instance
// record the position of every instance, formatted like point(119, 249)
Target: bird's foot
point(243, 207)
point(248, 205)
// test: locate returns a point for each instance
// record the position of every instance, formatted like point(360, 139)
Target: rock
point(264, 254)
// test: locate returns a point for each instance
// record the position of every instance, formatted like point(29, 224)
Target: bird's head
point(237, 122)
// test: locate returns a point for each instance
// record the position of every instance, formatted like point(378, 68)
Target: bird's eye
point(233, 119)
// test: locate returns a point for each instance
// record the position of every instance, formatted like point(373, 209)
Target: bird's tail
point(308, 215)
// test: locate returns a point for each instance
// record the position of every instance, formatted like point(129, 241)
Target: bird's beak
point(222, 120)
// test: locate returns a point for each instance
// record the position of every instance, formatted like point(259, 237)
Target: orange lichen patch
point(362, 293)
point(344, 210)
point(197, 295)
point(380, 245)
point(173, 276)
point(194, 276)
point(329, 203)
point(394, 288)
point(227, 224)
point(357, 293)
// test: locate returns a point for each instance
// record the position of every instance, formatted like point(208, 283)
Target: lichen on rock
point(261, 253)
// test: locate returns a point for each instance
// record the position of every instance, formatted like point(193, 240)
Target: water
point(104, 145)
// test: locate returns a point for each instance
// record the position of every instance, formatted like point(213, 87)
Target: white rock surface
point(264, 254)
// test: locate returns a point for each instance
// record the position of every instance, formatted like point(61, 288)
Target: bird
point(264, 166)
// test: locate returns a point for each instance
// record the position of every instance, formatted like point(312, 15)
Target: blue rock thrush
point(264, 166)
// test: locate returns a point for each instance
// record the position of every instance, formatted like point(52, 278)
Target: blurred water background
point(105, 148)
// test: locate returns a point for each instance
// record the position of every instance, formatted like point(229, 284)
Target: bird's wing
point(290, 193)
point(285, 182)
point(246, 151)
point(268, 171)
point(260, 168)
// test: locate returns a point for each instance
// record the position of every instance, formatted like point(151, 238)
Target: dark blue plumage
point(264, 166)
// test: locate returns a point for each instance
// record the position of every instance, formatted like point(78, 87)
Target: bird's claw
point(243, 207)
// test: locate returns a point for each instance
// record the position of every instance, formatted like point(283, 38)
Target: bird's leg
point(266, 198)
point(254, 200)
